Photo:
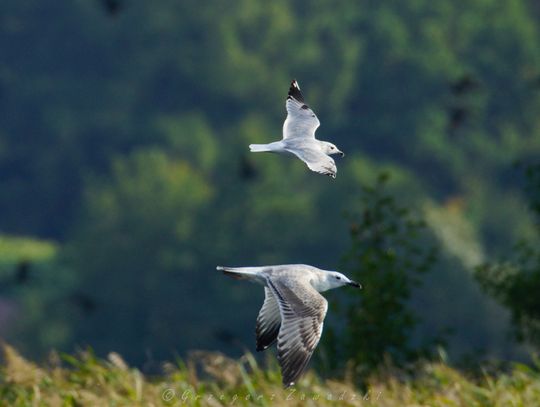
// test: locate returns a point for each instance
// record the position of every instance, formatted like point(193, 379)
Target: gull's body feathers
point(314, 158)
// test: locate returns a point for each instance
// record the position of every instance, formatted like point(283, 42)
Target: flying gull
point(299, 136)
point(293, 310)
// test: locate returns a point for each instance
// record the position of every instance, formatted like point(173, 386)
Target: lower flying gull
point(293, 310)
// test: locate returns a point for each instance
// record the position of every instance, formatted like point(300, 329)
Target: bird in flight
point(299, 136)
point(293, 310)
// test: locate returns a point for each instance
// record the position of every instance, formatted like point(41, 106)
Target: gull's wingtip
point(287, 384)
point(220, 268)
point(295, 92)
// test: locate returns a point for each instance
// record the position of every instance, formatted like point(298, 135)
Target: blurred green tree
point(515, 282)
point(34, 287)
point(389, 251)
point(134, 251)
point(443, 93)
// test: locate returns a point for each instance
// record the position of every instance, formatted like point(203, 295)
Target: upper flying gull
point(299, 136)
point(293, 310)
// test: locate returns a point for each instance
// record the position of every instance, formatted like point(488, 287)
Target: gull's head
point(333, 279)
point(330, 149)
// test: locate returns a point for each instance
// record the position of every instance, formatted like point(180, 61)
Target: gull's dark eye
point(338, 277)
point(331, 148)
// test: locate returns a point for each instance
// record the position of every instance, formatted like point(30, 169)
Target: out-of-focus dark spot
point(22, 273)
point(354, 228)
point(247, 170)
point(225, 336)
point(20, 276)
point(457, 115)
point(112, 7)
point(84, 302)
point(464, 84)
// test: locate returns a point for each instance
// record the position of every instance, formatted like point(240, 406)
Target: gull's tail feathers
point(260, 148)
point(241, 273)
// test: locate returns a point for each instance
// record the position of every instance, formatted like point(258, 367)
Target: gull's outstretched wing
point(302, 311)
point(300, 121)
point(315, 159)
point(268, 321)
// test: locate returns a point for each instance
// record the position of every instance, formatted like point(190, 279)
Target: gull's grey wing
point(300, 121)
point(268, 321)
point(302, 311)
point(315, 159)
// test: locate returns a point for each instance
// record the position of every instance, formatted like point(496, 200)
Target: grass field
point(211, 379)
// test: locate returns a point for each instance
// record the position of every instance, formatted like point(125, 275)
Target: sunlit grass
point(15, 249)
point(211, 379)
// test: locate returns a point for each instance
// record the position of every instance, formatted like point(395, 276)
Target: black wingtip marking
point(264, 345)
point(294, 92)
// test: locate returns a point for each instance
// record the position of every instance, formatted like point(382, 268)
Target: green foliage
point(389, 251)
point(515, 283)
point(137, 242)
point(34, 284)
point(211, 379)
point(190, 137)
point(125, 139)
point(15, 249)
point(533, 191)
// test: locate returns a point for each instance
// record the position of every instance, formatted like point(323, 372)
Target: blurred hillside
point(123, 150)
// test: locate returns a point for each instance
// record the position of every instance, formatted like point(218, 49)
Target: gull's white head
point(332, 279)
point(329, 149)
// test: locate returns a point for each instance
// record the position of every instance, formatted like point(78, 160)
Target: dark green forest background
point(125, 175)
